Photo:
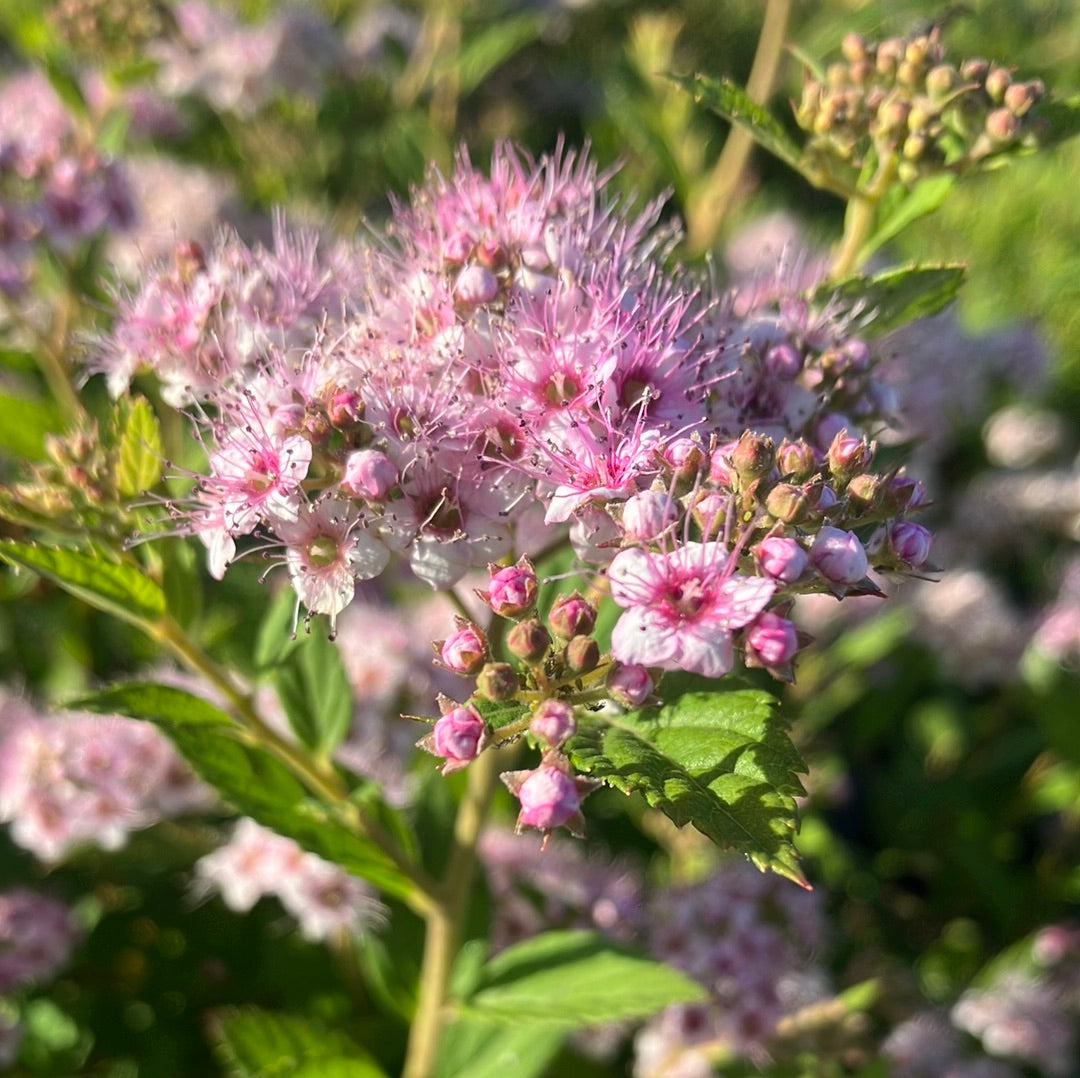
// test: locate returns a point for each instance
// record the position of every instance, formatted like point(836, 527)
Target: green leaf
point(114, 587)
point(315, 692)
point(138, 451)
point(719, 759)
point(259, 786)
point(480, 1049)
point(276, 638)
point(888, 300)
point(1059, 119)
point(24, 423)
point(253, 1043)
point(572, 979)
point(485, 48)
point(155, 703)
point(901, 207)
point(729, 100)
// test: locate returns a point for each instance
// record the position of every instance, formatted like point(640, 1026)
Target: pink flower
point(553, 722)
point(550, 797)
point(681, 607)
point(458, 737)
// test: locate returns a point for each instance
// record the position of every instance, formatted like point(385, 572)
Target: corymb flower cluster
point(902, 98)
point(514, 362)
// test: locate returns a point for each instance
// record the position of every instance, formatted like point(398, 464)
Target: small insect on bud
point(529, 640)
point(572, 615)
point(497, 681)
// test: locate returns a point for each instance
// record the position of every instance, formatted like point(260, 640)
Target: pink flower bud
point(457, 247)
point(648, 514)
point(839, 556)
point(464, 651)
point(458, 737)
point(782, 559)
point(783, 361)
point(787, 503)
point(720, 470)
point(795, 460)
point(475, 285)
point(754, 455)
point(629, 685)
point(771, 640)
point(369, 474)
point(513, 589)
point(553, 723)
point(684, 456)
point(345, 408)
point(910, 542)
point(848, 457)
point(582, 654)
point(572, 615)
point(549, 797)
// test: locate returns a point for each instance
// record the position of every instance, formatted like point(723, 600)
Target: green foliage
point(155, 703)
point(24, 423)
point(253, 1043)
point(481, 1049)
point(138, 447)
point(117, 588)
point(719, 758)
point(570, 979)
point(894, 297)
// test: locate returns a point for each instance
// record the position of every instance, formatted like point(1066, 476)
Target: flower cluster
point(747, 937)
point(325, 900)
point(37, 935)
point(56, 189)
point(71, 780)
point(901, 100)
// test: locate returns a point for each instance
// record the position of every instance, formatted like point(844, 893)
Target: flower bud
point(369, 474)
point(456, 248)
point(553, 723)
point(853, 47)
point(848, 457)
point(863, 490)
point(513, 589)
point(901, 492)
point(529, 640)
point(771, 640)
point(839, 556)
point(464, 651)
point(629, 685)
point(754, 456)
point(549, 798)
point(458, 737)
point(910, 542)
point(1002, 126)
point(783, 361)
point(1020, 97)
point(684, 457)
point(974, 70)
point(582, 654)
point(475, 285)
point(998, 80)
point(941, 81)
point(781, 558)
point(497, 681)
point(648, 514)
point(795, 460)
point(345, 409)
point(491, 254)
point(709, 512)
point(572, 615)
point(787, 503)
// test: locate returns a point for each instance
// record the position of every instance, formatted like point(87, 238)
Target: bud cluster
point(902, 100)
point(552, 667)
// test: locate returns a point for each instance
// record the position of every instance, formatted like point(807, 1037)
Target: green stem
point(705, 217)
point(447, 917)
point(859, 219)
point(318, 776)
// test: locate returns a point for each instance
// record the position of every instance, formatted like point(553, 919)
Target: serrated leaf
point(902, 207)
point(257, 785)
point(479, 1049)
point(138, 448)
point(117, 588)
point(155, 703)
point(253, 1043)
point(573, 979)
point(718, 759)
point(731, 101)
point(24, 423)
point(315, 692)
point(888, 300)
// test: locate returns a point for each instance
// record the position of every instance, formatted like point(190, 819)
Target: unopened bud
point(684, 457)
point(998, 80)
point(529, 640)
point(497, 681)
point(910, 542)
point(771, 640)
point(848, 456)
point(783, 361)
point(839, 556)
point(853, 47)
point(582, 654)
point(914, 146)
point(476, 285)
point(491, 253)
point(1002, 126)
point(553, 723)
point(795, 460)
point(629, 685)
point(513, 589)
point(345, 409)
point(862, 491)
point(754, 456)
point(781, 558)
point(458, 737)
point(369, 474)
point(787, 503)
point(941, 81)
point(464, 651)
point(1022, 95)
point(572, 615)
point(648, 514)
